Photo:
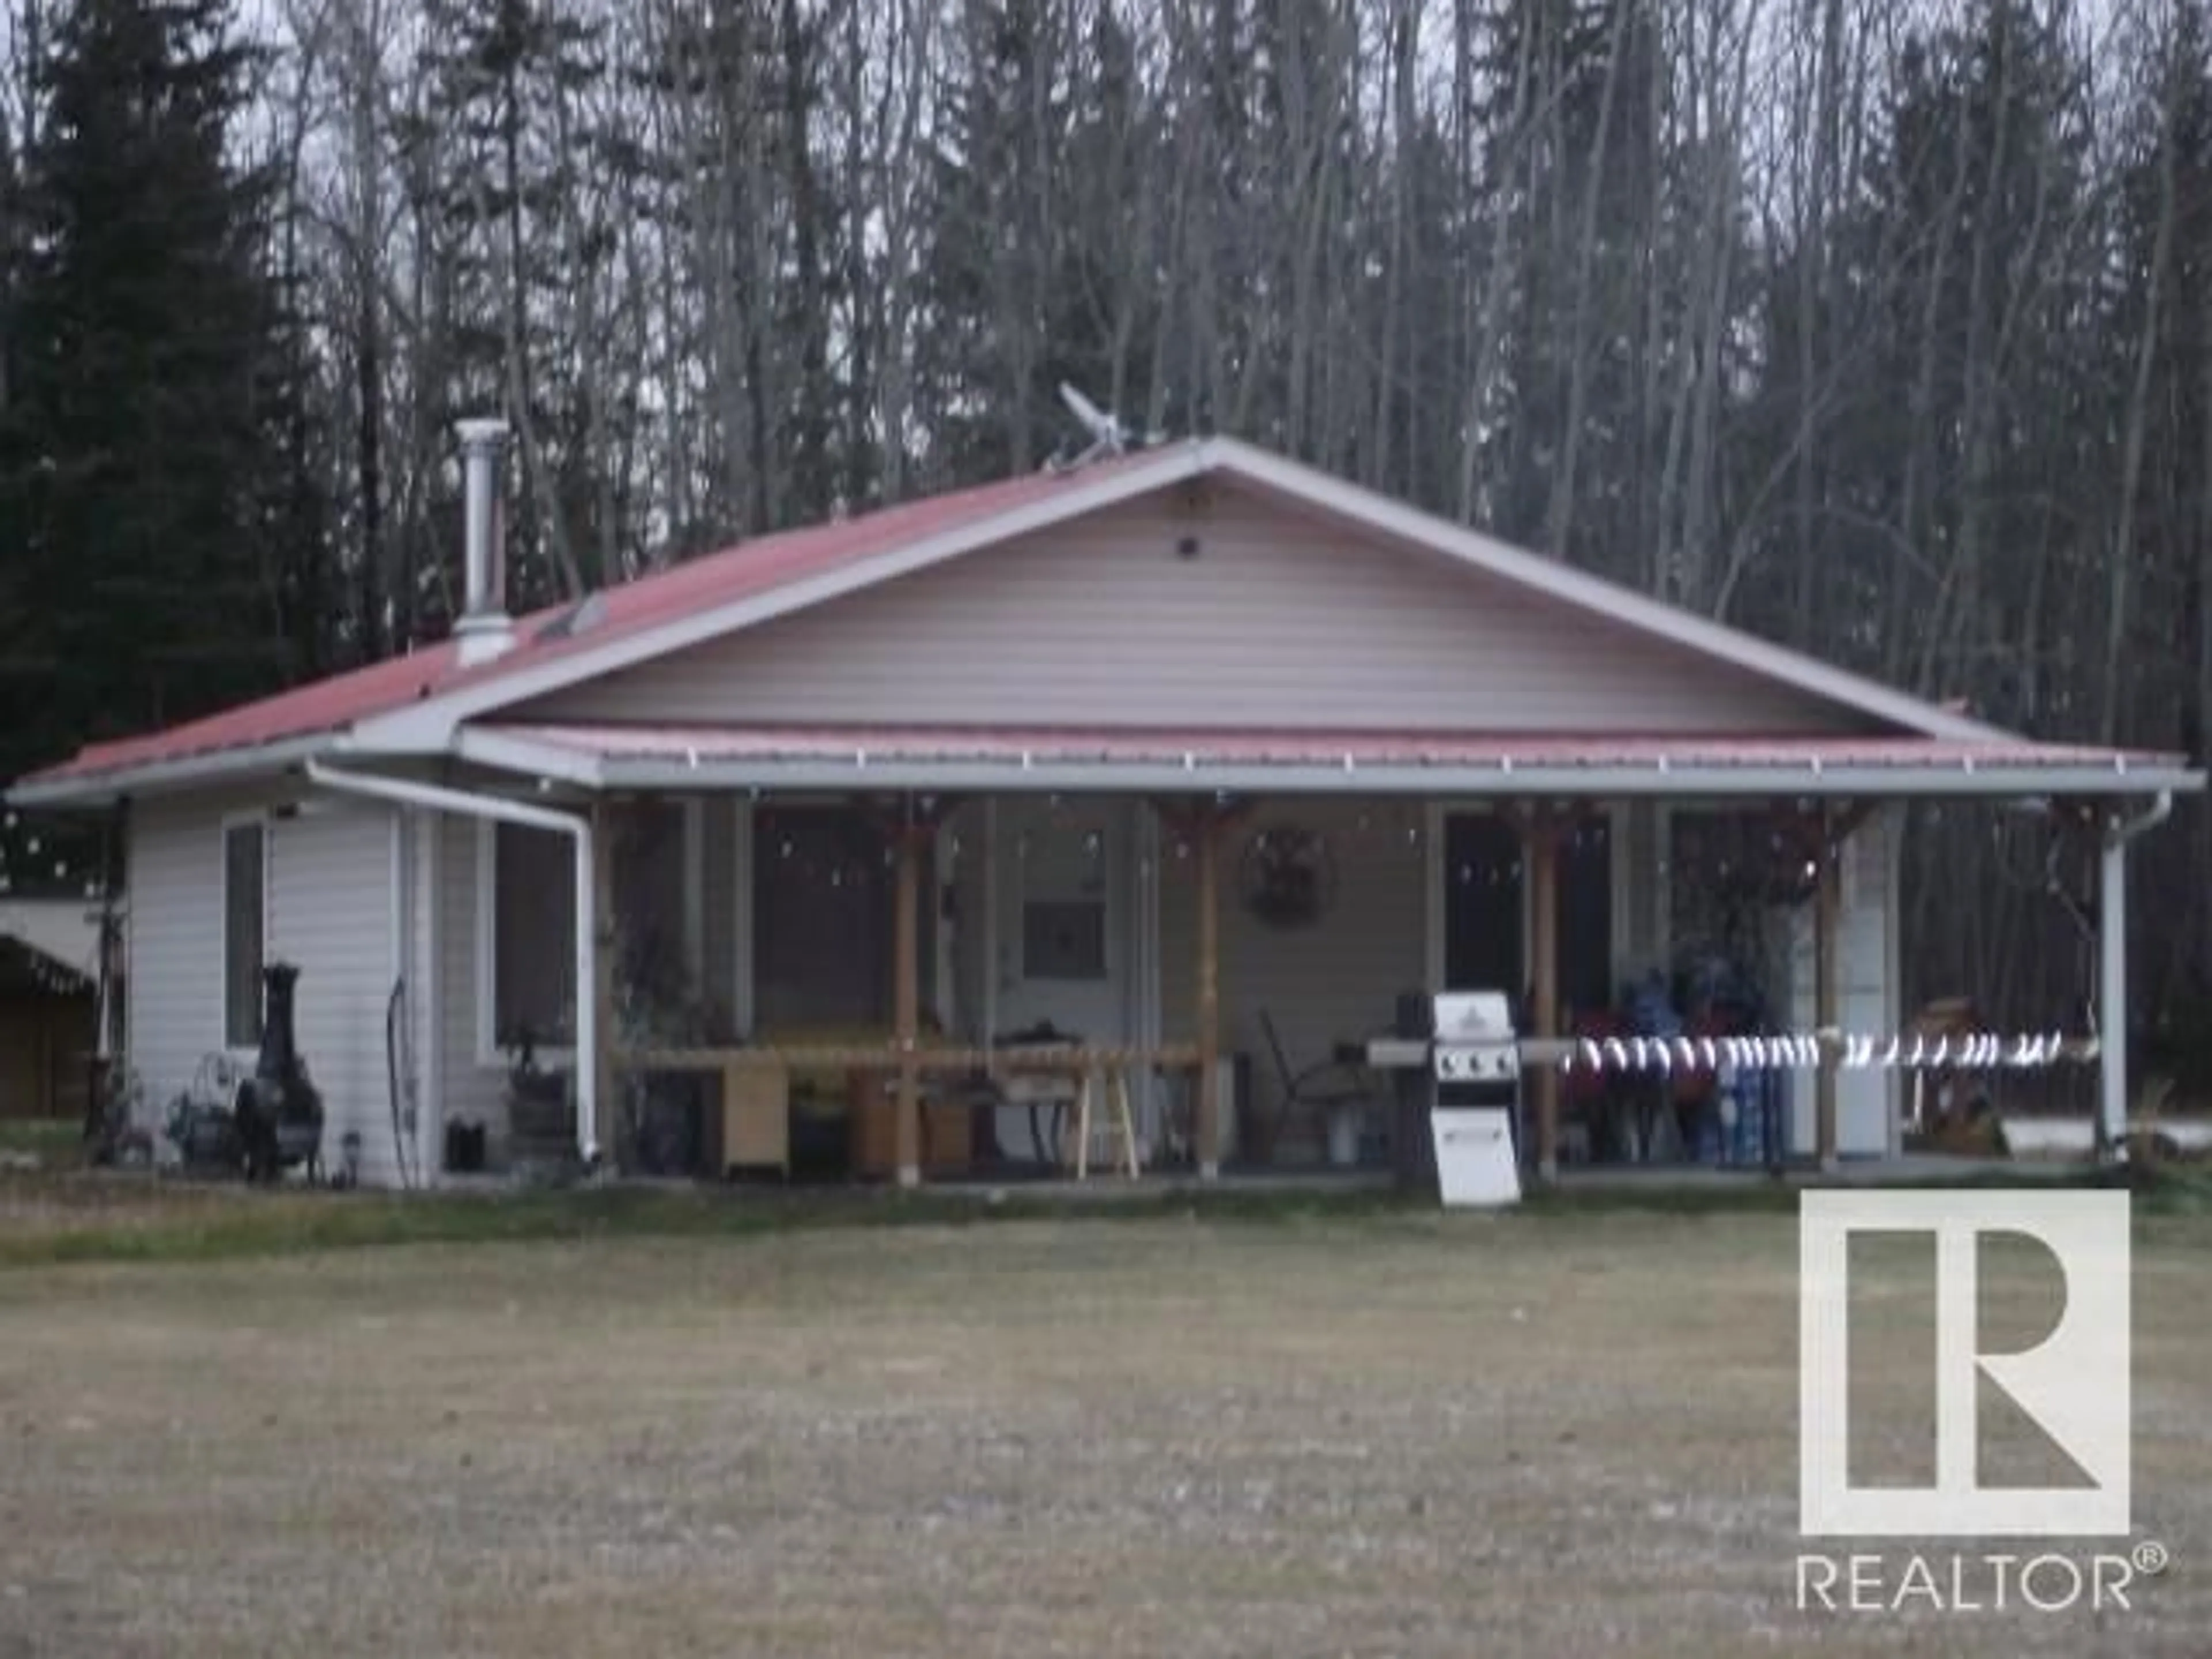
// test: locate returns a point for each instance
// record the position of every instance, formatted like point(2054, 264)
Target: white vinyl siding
point(428, 987)
point(471, 1078)
point(1336, 981)
point(331, 912)
point(1277, 622)
point(327, 877)
point(174, 946)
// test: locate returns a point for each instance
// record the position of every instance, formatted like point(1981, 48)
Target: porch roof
point(1471, 763)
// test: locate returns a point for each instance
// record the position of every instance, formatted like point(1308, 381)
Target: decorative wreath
point(1287, 877)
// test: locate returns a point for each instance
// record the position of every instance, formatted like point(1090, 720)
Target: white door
point(1867, 1098)
point(1064, 953)
point(1063, 949)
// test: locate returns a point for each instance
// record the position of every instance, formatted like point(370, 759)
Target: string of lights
point(1805, 1050)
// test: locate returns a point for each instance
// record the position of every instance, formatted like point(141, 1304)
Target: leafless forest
point(1876, 326)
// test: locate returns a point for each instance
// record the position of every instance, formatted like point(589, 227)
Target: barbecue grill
point(1474, 1054)
point(1455, 1060)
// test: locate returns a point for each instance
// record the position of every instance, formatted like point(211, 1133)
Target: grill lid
point(1473, 1017)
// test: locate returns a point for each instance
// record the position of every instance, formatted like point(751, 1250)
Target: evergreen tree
point(147, 376)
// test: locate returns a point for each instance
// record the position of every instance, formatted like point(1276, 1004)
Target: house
point(1144, 751)
point(49, 963)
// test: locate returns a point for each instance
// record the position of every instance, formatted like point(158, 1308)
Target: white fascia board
point(159, 777)
point(1610, 600)
point(502, 753)
point(426, 726)
point(863, 772)
point(488, 749)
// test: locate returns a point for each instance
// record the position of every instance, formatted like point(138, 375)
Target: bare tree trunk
point(1559, 517)
point(2120, 565)
point(1515, 148)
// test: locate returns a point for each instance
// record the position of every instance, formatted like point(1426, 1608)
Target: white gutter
point(2112, 972)
point(496, 750)
point(149, 777)
point(2124, 831)
point(406, 792)
point(1017, 773)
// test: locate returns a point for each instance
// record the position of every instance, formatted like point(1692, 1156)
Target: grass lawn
point(1286, 1431)
point(54, 1141)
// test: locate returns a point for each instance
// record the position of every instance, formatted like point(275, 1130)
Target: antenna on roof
point(1109, 436)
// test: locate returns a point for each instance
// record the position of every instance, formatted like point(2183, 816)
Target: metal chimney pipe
point(485, 628)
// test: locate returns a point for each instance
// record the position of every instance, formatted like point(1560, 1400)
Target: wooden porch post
point(1827, 962)
point(1542, 841)
point(907, 1001)
point(1207, 829)
point(602, 988)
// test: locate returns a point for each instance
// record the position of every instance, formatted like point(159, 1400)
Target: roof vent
point(580, 618)
point(486, 630)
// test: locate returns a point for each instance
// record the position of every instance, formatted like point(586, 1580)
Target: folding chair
point(1312, 1088)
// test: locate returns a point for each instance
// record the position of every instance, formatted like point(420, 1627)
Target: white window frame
point(230, 822)
point(489, 1055)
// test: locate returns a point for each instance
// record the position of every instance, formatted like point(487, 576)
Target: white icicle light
point(1971, 1051)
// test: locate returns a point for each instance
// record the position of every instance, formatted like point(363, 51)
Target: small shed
point(49, 951)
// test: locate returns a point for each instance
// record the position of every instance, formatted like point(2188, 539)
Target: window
point(245, 929)
point(824, 891)
point(532, 937)
point(1484, 945)
point(1585, 916)
point(1486, 901)
point(1064, 939)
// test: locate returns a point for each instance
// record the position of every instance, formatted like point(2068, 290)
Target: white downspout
point(406, 792)
point(2113, 974)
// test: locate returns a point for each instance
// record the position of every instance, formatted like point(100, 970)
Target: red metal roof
point(770, 563)
point(326, 705)
point(1046, 744)
point(749, 569)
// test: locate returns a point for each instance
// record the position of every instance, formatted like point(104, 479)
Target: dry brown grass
point(1554, 1436)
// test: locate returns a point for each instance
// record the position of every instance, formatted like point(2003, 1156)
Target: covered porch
point(950, 956)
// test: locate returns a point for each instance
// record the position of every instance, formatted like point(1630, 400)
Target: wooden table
point(754, 1082)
